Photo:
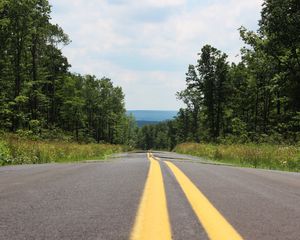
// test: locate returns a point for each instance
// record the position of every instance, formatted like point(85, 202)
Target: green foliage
point(160, 136)
point(39, 96)
point(20, 150)
point(256, 100)
point(35, 126)
point(267, 156)
point(246, 114)
point(5, 156)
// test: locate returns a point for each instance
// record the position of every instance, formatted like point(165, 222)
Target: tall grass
point(250, 155)
point(15, 150)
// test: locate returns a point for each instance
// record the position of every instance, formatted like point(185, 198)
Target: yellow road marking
point(216, 226)
point(150, 155)
point(152, 220)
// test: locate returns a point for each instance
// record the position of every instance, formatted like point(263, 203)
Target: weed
point(250, 155)
point(18, 150)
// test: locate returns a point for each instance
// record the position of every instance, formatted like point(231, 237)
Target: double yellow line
point(152, 221)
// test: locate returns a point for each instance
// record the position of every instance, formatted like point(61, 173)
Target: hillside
point(146, 117)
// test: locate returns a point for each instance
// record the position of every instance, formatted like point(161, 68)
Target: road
point(159, 195)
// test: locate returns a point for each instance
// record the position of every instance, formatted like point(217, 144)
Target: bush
point(35, 126)
point(5, 156)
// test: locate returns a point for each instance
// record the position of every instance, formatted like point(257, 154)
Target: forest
point(230, 107)
point(256, 100)
point(39, 96)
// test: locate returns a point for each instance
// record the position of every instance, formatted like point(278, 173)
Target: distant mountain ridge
point(145, 117)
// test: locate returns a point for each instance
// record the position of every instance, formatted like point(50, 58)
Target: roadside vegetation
point(38, 93)
point(266, 156)
point(18, 150)
point(47, 113)
point(247, 112)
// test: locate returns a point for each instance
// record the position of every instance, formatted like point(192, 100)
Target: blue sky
point(145, 46)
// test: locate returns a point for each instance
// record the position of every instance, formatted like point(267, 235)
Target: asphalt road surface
point(148, 196)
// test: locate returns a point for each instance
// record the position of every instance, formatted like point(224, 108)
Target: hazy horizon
point(157, 110)
point(152, 115)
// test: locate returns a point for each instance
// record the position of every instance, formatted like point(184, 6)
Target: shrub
point(5, 156)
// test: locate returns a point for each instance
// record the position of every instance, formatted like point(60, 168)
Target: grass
point(16, 150)
point(265, 156)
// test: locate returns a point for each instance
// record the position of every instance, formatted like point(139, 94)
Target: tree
point(280, 25)
point(37, 90)
point(192, 97)
point(213, 69)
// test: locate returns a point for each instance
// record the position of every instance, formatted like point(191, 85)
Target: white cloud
point(164, 3)
point(116, 37)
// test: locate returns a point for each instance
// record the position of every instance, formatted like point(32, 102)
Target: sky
point(145, 46)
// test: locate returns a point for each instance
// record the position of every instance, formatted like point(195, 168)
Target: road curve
point(122, 197)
